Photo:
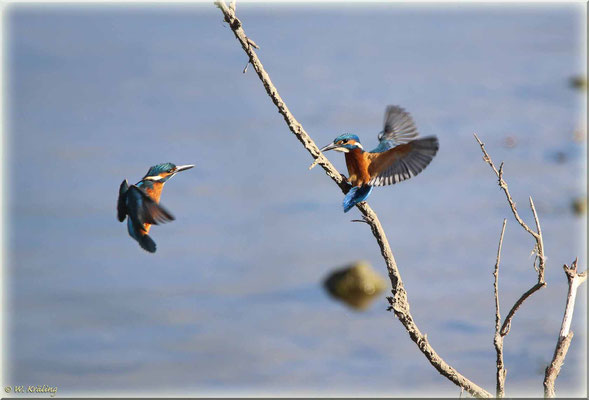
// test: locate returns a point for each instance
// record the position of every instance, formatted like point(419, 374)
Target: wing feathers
point(402, 162)
point(399, 127)
point(144, 209)
point(121, 202)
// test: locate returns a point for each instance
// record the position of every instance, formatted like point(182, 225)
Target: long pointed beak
point(183, 168)
point(330, 146)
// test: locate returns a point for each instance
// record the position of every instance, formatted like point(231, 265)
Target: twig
point(398, 301)
point(539, 247)
point(498, 339)
point(505, 328)
point(295, 127)
point(539, 243)
point(566, 335)
point(503, 186)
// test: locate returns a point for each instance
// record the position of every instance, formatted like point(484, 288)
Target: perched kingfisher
point(398, 156)
point(140, 203)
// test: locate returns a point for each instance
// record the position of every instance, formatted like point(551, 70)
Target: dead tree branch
point(498, 339)
point(574, 280)
point(538, 248)
point(566, 335)
point(399, 302)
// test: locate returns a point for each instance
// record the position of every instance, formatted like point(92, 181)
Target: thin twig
point(506, 327)
point(498, 339)
point(539, 243)
point(398, 301)
point(539, 247)
point(566, 335)
point(295, 127)
point(503, 186)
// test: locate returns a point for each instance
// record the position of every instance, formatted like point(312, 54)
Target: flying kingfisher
point(398, 156)
point(140, 203)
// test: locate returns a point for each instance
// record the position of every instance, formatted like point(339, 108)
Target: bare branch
point(294, 126)
point(574, 280)
point(507, 323)
point(503, 186)
point(539, 243)
point(498, 339)
point(566, 335)
point(399, 302)
point(539, 247)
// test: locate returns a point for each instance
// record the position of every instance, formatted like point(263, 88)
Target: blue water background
point(232, 301)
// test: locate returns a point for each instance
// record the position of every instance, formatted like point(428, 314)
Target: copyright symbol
point(7, 389)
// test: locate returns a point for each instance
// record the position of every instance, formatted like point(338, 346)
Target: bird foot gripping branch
point(400, 155)
point(140, 202)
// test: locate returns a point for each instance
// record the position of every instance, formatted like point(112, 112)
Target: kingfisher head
point(163, 172)
point(344, 143)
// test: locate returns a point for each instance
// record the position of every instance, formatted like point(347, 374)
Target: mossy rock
point(579, 205)
point(357, 285)
point(579, 82)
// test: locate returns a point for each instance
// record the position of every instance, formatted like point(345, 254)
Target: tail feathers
point(146, 243)
point(144, 240)
point(355, 196)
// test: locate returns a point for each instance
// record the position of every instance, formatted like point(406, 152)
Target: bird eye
point(345, 141)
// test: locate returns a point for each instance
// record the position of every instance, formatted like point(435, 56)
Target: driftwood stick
point(566, 335)
point(399, 302)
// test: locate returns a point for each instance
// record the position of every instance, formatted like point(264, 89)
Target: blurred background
point(234, 302)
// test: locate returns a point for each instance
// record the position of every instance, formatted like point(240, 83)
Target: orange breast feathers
point(155, 192)
point(378, 162)
point(358, 163)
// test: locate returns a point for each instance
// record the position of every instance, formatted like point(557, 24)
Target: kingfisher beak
point(330, 146)
point(183, 168)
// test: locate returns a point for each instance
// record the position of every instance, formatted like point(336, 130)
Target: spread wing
point(399, 128)
point(121, 206)
point(401, 162)
point(143, 209)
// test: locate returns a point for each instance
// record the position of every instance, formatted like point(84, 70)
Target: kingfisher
point(140, 202)
point(399, 155)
